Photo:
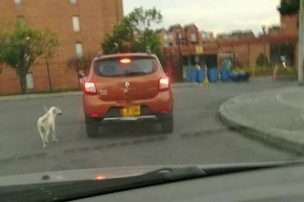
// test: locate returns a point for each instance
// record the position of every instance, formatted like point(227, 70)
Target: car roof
point(119, 55)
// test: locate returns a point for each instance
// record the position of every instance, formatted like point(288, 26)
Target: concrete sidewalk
point(275, 117)
point(38, 95)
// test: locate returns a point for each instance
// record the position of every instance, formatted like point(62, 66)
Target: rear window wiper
point(135, 73)
point(62, 191)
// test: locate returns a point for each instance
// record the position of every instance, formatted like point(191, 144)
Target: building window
point(18, 2)
point(79, 49)
point(180, 36)
point(73, 2)
point(166, 37)
point(76, 25)
point(29, 81)
point(20, 20)
point(282, 50)
point(193, 37)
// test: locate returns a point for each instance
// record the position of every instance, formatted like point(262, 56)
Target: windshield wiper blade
point(62, 191)
point(214, 170)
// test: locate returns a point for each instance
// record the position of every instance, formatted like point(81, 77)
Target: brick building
point(80, 26)
point(185, 46)
point(181, 44)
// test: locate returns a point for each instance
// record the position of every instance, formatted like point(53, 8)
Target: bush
point(81, 63)
point(262, 60)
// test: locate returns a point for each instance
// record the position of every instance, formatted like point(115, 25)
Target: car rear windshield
point(125, 66)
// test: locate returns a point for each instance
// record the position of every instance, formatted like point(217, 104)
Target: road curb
point(185, 85)
point(275, 137)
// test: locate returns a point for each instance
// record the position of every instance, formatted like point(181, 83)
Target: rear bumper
point(139, 118)
point(162, 103)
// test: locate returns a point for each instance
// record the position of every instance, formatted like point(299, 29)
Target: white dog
point(46, 125)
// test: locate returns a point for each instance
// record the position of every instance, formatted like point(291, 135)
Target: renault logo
point(126, 88)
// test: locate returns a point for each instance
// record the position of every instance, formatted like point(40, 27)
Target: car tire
point(167, 124)
point(92, 126)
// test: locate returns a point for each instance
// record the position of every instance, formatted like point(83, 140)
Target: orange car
point(127, 87)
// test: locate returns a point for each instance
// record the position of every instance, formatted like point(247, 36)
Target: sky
point(216, 16)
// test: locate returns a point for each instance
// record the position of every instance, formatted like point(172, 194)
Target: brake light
point(94, 115)
point(89, 88)
point(164, 83)
point(125, 61)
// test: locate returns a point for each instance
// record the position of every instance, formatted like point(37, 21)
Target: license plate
point(131, 111)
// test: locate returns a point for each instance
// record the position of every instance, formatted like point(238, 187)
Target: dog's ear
point(45, 109)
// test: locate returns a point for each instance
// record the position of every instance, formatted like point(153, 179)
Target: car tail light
point(164, 83)
point(89, 88)
point(94, 115)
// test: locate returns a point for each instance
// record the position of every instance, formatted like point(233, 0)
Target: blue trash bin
point(224, 74)
point(193, 75)
point(188, 79)
point(235, 76)
point(188, 75)
point(213, 75)
point(200, 76)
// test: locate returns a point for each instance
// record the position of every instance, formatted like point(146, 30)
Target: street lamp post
point(301, 44)
point(179, 40)
point(264, 47)
point(171, 64)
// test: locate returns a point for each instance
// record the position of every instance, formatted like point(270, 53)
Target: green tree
point(289, 7)
point(141, 19)
point(21, 47)
point(148, 39)
point(134, 33)
point(122, 32)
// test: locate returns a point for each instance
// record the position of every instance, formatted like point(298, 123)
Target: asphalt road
point(199, 136)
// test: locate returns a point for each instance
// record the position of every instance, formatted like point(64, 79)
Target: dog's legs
point(42, 135)
point(47, 133)
point(52, 130)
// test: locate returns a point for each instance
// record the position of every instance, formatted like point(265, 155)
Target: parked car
point(127, 87)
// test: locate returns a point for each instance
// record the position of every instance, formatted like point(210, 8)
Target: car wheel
point(167, 124)
point(92, 126)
